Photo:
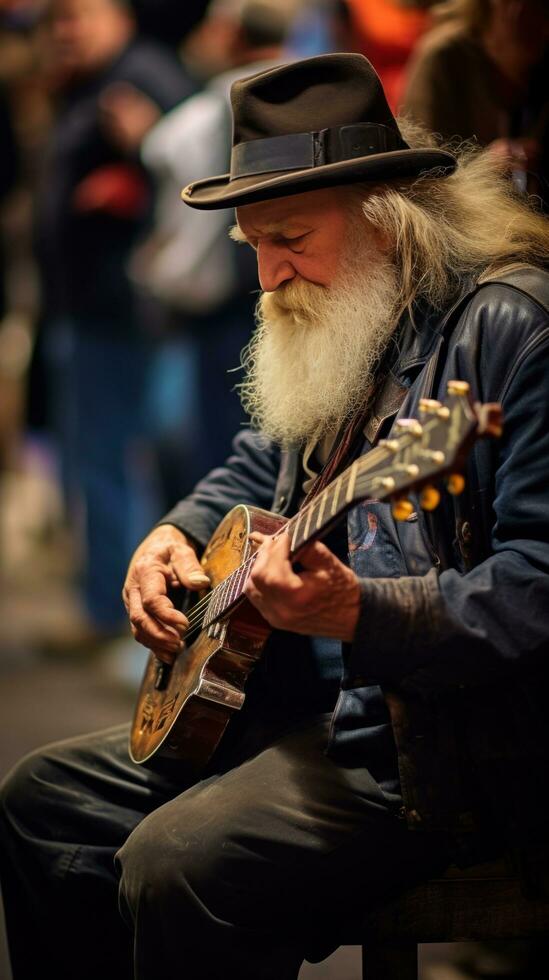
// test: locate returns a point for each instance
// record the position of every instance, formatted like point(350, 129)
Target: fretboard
point(309, 523)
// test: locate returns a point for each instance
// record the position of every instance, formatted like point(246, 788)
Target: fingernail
point(199, 578)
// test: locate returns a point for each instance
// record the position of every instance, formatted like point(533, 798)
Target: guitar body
point(182, 712)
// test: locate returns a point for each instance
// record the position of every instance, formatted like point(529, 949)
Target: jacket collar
point(416, 337)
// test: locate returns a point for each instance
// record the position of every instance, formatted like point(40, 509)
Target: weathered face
point(325, 316)
point(85, 33)
point(300, 237)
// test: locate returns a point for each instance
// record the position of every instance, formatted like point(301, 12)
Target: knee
point(20, 790)
point(147, 866)
point(168, 859)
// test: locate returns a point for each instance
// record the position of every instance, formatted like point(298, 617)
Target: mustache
point(296, 297)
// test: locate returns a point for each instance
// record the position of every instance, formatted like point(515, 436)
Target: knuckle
point(152, 604)
point(139, 621)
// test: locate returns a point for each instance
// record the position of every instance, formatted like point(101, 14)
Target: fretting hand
point(321, 600)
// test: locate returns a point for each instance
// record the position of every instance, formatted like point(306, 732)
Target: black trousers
point(112, 871)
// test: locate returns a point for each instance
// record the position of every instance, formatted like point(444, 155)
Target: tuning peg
point(390, 444)
point(455, 484)
point(410, 469)
point(412, 426)
point(429, 406)
point(435, 456)
point(386, 483)
point(458, 387)
point(429, 498)
point(402, 509)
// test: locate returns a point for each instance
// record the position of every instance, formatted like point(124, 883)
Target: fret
point(234, 593)
point(323, 499)
point(232, 587)
point(314, 508)
point(226, 593)
point(240, 579)
point(205, 618)
point(294, 535)
point(224, 589)
point(243, 575)
point(308, 524)
point(352, 481)
point(211, 611)
point(219, 605)
point(337, 488)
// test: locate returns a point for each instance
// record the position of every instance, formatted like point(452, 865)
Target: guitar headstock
point(429, 448)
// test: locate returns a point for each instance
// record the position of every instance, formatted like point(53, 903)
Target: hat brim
point(222, 192)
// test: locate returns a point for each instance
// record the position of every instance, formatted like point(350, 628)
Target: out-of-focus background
point(121, 310)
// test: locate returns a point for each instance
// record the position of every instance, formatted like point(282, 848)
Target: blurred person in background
point(23, 122)
point(188, 262)
point(235, 33)
point(387, 31)
point(482, 73)
point(93, 204)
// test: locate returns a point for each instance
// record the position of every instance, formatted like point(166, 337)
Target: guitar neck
point(311, 522)
point(323, 510)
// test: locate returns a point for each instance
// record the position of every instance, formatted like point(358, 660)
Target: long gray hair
point(443, 229)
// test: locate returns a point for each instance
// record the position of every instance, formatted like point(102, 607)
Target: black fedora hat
point(311, 124)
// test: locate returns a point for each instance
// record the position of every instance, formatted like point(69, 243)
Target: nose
point(273, 265)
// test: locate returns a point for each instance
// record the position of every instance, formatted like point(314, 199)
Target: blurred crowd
point(121, 311)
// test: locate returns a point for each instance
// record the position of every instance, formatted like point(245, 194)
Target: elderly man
point(387, 268)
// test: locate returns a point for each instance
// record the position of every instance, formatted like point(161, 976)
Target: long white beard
point(310, 363)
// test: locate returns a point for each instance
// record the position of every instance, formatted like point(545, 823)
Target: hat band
point(302, 151)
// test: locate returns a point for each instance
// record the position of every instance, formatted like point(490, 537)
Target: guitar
point(183, 709)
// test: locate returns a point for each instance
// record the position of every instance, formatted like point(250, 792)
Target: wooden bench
point(482, 903)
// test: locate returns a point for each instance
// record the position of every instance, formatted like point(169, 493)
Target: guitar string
point(195, 616)
point(203, 604)
point(198, 612)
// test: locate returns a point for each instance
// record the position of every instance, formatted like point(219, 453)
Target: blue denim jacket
point(454, 624)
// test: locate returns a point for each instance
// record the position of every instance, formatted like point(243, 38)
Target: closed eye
point(294, 242)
